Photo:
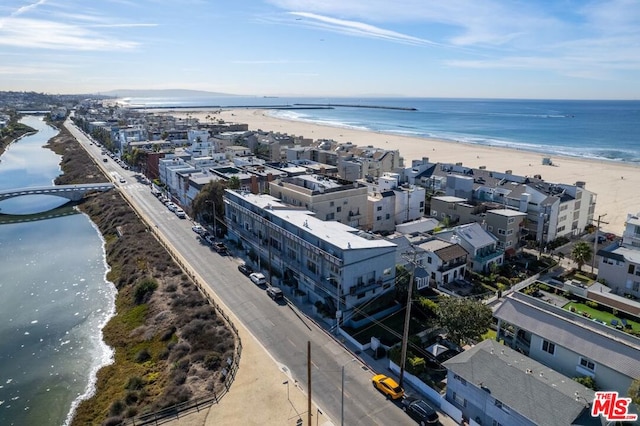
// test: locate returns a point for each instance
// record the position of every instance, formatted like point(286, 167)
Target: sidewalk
point(261, 394)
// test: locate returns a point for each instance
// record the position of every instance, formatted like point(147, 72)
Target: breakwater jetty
point(358, 106)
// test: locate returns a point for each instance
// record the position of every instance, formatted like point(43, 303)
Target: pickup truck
point(220, 248)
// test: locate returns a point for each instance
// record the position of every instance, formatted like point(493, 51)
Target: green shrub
point(416, 365)
point(592, 304)
point(143, 356)
point(144, 290)
point(134, 383)
point(117, 407)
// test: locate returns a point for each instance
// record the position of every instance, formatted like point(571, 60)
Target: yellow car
point(387, 386)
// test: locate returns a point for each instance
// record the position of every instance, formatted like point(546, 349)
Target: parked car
point(258, 278)
point(387, 386)
point(245, 269)
point(420, 411)
point(180, 213)
point(198, 229)
point(209, 239)
point(275, 293)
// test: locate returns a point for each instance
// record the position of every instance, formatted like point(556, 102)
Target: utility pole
point(309, 382)
point(595, 241)
point(407, 319)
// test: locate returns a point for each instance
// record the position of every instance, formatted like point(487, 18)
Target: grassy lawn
point(600, 315)
point(489, 335)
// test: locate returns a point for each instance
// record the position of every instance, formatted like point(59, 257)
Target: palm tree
point(581, 253)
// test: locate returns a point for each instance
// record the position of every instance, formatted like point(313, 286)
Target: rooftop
point(604, 345)
point(536, 392)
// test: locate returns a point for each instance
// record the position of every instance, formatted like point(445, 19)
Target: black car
point(245, 269)
point(420, 411)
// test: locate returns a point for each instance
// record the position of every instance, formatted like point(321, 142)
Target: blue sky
point(429, 48)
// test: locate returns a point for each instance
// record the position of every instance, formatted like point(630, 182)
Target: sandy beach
point(613, 183)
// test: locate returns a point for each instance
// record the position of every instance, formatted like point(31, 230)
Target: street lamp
point(342, 397)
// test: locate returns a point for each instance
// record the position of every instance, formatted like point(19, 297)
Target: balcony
point(452, 265)
point(488, 256)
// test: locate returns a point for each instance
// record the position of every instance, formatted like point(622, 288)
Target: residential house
point(481, 245)
point(619, 264)
point(494, 385)
point(568, 342)
point(443, 262)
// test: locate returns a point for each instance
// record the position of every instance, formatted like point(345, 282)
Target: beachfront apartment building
point(568, 342)
point(494, 385)
point(329, 198)
point(619, 264)
point(482, 246)
point(325, 261)
point(391, 203)
point(552, 210)
point(507, 226)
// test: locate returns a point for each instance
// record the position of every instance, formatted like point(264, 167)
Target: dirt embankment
point(169, 342)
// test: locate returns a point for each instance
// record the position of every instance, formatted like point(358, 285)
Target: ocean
point(605, 130)
point(55, 296)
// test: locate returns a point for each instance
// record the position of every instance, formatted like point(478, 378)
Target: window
point(587, 363)
point(511, 220)
point(387, 216)
point(378, 217)
point(339, 209)
point(429, 259)
point(330, 216)
point(632, 269)
point(501, 406)
point(459, 400)
point(460, 379)
point(501, 231)
point(379, 208)
point(490, 228)
point(548, 347)
point(510, 232)
point(331, 204)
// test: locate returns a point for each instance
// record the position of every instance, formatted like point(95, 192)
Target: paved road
point(279, 328)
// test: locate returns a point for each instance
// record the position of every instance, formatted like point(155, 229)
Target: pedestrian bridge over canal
point(71, 192)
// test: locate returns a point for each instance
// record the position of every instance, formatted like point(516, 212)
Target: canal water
point(54, 296)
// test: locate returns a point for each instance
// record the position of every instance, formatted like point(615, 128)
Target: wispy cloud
point(355, 28)
point(32, 33)
point(601, 35)
point(268, 62)
point(131, 25)
point(27, 8)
